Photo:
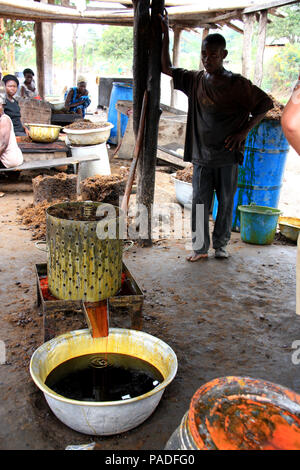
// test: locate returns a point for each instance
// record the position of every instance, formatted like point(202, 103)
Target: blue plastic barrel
point(120, 91)
point(260, 177)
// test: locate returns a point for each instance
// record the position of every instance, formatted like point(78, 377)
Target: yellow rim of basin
point(123, 341)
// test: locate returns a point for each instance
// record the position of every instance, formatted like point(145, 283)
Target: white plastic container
point(100, 166)
point(183, 190)
point(88, 136)
point(111, 417)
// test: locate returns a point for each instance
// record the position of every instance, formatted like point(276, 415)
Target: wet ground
point(221, 317)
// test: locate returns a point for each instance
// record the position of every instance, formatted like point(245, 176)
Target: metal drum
point(239, 413)
point(82, 266)
point(261, 175)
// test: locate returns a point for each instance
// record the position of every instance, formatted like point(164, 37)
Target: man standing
point(222, 108)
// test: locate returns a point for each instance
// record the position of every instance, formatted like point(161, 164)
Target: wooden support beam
point(205, 32)
point(175, 60)
point(262, 30)
point(146, 174)
point(235, 28)
point(248, 20)
point(268, 5)
point(141, 33)
point(39, 48)
point(274, 12)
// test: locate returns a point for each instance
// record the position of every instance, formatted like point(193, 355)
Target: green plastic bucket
point(258, 224)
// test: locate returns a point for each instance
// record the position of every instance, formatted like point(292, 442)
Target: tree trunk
point(247, 44)
point(262, 29)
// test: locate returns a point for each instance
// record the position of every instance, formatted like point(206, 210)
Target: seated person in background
point(77, 99)
point(10, 153)
point(11, 106)
point(28, 87)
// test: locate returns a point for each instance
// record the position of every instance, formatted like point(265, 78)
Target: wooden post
point(47, 29)
point(39, 47)
point(248, 20)
point(175, 60)
point(141, 29)
point(205, 33)
point(147, 161)
point(262, 29)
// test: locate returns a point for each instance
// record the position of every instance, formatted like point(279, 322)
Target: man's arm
point(290, 120)
point(4, 134)
point(258, 103)
point(234, 141)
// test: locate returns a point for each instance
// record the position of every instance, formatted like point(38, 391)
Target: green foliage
point(18, 32)
point(283, 70)
point(289, 27)
point(117, 43)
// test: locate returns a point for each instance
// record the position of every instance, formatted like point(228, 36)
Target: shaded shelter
point(142, 15)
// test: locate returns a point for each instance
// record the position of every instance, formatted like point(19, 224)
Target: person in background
point(2, 96)
point(10, 153)
point(11, 106)
point(28, 87)
point(77, 99)
point(290, 122)
point(222, 108)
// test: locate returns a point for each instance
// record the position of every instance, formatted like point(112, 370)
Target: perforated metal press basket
point(82, 266)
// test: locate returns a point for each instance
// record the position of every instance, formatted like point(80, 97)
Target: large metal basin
point(103, 418)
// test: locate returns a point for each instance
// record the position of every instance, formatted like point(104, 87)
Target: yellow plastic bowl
point(43, 132)
point(289, 227)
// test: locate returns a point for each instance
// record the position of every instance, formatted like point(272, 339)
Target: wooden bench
point(37, 164)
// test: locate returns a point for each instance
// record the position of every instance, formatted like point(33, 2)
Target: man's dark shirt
point(216, 112)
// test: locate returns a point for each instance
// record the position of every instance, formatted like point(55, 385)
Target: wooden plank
point(33, 165)
point(170, 156)
point(267, 6)
point(235, 28)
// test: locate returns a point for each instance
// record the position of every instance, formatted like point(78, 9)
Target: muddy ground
point(221, 317)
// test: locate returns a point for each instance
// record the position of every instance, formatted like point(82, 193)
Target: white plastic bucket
point(100, 166)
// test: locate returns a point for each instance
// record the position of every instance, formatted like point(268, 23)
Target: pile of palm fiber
point(104, 188)
point(34, 218)
point(185, 175)
point(275, 113)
